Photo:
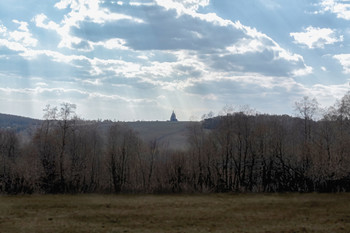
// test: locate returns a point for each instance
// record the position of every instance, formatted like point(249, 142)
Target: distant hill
point(172, 135)
point(17, 123)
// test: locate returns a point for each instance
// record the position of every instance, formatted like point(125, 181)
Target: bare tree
point(8, 152)
point(307, 109)
point(66, 115)
point(122, 150)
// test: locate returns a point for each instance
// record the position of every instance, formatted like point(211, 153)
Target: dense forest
point(240, 151)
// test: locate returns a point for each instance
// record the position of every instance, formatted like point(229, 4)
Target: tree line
point(240, 151)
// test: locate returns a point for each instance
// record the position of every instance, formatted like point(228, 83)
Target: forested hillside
point(173, 135)
point(17, 123)
point(240, 152)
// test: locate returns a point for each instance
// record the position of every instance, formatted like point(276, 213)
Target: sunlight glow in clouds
point(143, 59)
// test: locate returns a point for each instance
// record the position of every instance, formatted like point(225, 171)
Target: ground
point(176, 213)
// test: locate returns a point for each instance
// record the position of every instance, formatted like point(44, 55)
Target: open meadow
point(176, 213)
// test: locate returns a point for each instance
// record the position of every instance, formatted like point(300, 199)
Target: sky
point(131, 60)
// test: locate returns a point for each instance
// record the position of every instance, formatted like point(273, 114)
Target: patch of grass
point(176, 213)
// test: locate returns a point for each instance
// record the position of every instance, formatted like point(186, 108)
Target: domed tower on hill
point(173, 117)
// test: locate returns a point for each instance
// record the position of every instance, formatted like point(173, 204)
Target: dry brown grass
point(176, 213)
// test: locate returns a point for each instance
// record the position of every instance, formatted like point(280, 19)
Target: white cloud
point(190, 67)
point(118, 97)
point(23, 26)
point(57, 92)
point(239, 58)
point(56, 56)
point(328, 94)
point(41, 84)
point(115, 43)
point(95, 66)
point(207, 34)
point(96, 82)
point(302, 72)
point(193, 4)
point(316, 37)
point(40, 22)
point(141, 3)
point(81, 10)
point(246, 45)
point(90, 10)
point(340, 8)
point(260, 43)
point(64, 4)
point(189, 7)
point(344, 60)
point(40, 90)
point(3, 29)
point(22, 35)
point(15, 46)
point(143, 57)
point(210, 97)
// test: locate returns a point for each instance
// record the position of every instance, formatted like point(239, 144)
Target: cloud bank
point(142, 59)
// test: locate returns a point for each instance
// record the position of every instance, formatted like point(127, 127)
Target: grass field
point(176, 213)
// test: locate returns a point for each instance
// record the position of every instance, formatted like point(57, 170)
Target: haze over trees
point(238, 152)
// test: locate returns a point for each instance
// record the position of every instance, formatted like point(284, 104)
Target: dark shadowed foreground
point(176, 213)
